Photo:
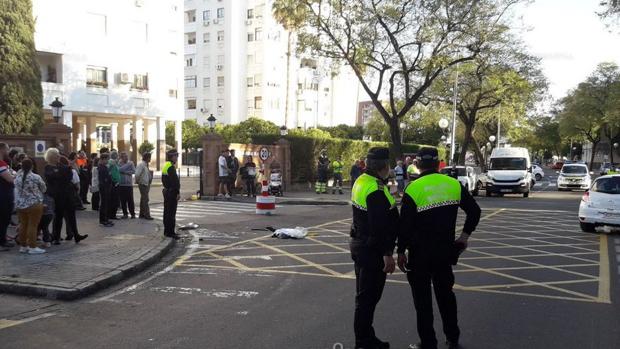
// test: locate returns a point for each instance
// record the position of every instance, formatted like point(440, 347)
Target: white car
point(467, 176)
point(538, 173)
point(574, 176)
point(601, 204)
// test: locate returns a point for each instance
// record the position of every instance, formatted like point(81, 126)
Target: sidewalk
point(71, 271)
point(297, 198)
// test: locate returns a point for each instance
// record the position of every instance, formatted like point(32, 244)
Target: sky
point(570, 39)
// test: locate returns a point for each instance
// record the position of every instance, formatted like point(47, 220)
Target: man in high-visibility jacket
point(322, 173)
point(171, 191)
point(426, 229)
point(337, 167)
point(373, 236)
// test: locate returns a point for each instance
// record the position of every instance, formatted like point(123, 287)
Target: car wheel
point(526, 195)
point(538, 177)
point(587, 227)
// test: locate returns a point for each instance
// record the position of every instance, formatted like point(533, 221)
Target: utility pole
point(453, 138)
point(499, 124)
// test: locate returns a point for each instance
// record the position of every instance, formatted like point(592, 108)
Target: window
point(220, 81)
point(258, 34)
point(250, 37)
point(189, 60)
point(190, 38)
point(258, 79)
point(206, 82)
point(206, 38)
point(97, 76)
point(258, 102)
point(190, 104)
point(190, 16)
point(206, 15)
point(190, 81)
point(220, 13)
point(250, 81)
point(250, 105)
point(206, 106)
point(140, 82)
point(172, 93)
point(250, 13)
point(220, 35)
point(220, 107)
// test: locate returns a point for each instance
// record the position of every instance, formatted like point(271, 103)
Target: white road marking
point(10, 323)
point(210, 293)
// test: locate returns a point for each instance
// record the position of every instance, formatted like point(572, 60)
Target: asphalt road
point(530, 279)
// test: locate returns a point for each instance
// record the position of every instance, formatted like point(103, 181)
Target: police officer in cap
point(373, 236)
point(427, 231)
point(172, 190)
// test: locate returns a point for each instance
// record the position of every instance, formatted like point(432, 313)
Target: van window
point(508, 164)
point(610, 185)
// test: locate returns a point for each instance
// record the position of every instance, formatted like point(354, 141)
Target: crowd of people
point(54, 194)
point(229, 170)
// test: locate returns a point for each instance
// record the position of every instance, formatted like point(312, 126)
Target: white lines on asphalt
point(209, 293)
point(4, 323)
point(195, 209)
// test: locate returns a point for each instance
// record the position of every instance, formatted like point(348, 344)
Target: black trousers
point(6, 210)
point(250, 184)
point(369, 284)
point(440, 273)
point(94, 200)
point(113, 202)
point(170, 212)
point(126, 196)
point(84, 183)
point(44, 224)
point(104, 202)
point(64, 209)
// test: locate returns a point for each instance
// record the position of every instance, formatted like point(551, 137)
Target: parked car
point(601, 204)
point(538, 172)
point(510, 172)
point(574, 176)
point(557, 165)
point(466, 175)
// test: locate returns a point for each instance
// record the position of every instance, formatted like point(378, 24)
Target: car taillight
point(586, 197)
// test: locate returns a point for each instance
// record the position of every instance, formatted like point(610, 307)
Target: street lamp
point(443, 123)
point(616, 145)
point(283, 131)
point(211, 120)
point(492, 139)
point(57, 109)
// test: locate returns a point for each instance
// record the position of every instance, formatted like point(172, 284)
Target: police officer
point(171, 191)
point(337, 167)
point(322, 169)
point(373, 236)
point(426, 230)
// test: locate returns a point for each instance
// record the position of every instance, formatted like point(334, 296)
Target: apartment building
point(235, 68)
point(117, 66)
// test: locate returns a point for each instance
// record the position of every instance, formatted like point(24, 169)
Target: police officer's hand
point(402, 262)
point(388, 264)
point(463, 239)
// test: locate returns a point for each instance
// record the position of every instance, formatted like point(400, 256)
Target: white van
point(510, 172)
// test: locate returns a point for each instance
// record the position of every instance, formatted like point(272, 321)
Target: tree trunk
point(397, 146)
point(611, 151)
point(467, 138)
point(594, 145)
point(479, 154)
point(288, 77)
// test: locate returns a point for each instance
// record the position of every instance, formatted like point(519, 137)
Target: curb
point(282, 201)
point(87, 288)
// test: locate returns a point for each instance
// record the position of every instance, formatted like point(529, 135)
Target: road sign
point(264, 153)
point(39, 149)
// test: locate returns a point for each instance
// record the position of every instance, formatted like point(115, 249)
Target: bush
point(145, 147)
point(305, 152)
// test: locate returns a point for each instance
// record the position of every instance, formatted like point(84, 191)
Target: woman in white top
point(29, 189)
point(94, 185)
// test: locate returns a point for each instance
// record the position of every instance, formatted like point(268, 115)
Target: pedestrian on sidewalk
point(249, 176)
point(58, 179)
point(94, 183)
point(84, 166)
point(46, 219)
point(6, 196)
point(114, 202)
point(233, 170)
point(125, 188)
point(322, 172)
point(171, 191)
point(75, 180)
point(337, 167)
point(373, 236)
point(222, 165)
point(29, 189)
point(399, 175)
point(427, 230)
point(143, 180)
point(104, 184)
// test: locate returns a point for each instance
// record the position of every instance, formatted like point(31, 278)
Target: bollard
point(265, 203)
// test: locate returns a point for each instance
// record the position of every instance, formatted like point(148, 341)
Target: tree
point(291, 15)
point(170, 134)
point(191, 134)
point(21, 96)
point(591, 109)
point(398, 47)
point(145, 147)
point(345, 131)
point(503, 77)
point(610, 11)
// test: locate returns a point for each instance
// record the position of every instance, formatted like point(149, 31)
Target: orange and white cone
point(265, 203)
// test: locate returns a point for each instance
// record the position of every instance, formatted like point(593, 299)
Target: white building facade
point(235, 68)
point(117, 65)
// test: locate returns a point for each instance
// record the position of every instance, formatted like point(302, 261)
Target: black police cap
point(378, 153)
point(427, 154)
point(172, 152)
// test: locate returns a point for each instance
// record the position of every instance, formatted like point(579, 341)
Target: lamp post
point(211, 120)
point(283, 131)
point(57, 109)
point(486, 154)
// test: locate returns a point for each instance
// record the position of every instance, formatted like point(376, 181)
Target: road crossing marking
point(194, 209)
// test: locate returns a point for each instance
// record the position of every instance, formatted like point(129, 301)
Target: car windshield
point(574, 169)
point(448, 171)
point(507, 164)
point(610, 185)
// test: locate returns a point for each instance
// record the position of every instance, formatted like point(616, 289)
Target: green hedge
point(305, 152)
